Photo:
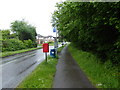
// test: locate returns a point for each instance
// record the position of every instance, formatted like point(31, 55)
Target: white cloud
point(36, 12)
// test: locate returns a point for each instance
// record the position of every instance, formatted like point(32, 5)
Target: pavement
point(68, 73)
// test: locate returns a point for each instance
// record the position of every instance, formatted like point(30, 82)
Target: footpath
point(68, 73)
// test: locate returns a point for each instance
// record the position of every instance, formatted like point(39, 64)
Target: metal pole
point(56, 42)
point(46, 56)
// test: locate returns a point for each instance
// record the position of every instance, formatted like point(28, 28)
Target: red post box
point(45, 47)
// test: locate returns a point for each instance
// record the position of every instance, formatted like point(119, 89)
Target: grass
point(60, 48)
point(8, 53)
point(101, 75)
point(42, 76)
point(50, 44)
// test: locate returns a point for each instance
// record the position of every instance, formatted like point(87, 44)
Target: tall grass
point(42, 76)
point(101, 75)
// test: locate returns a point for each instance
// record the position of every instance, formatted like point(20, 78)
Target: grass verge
point(50, 44)
point(8, 53)
point(60, 48)
point(42, 76)
point(101, 75)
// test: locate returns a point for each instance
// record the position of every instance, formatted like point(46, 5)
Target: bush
point(15, 44)
point(12, 45)
point(35, 44)
point(29, 43)
point(115, 55)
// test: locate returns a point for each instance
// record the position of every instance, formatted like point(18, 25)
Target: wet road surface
point(16, 68)
point(69, 74)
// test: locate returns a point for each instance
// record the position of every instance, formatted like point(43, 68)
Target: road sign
point(54, 29)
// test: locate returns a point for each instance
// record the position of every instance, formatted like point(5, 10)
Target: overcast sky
point(35, 12)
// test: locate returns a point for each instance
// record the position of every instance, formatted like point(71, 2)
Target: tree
point(24, 30)
point(5, 34)
point(91, 26)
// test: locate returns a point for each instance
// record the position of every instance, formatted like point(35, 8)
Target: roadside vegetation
point(91, 27)
point(102, 75)
point(42, 76)
point(60, 48)
point(20, 38)
point(50, 44)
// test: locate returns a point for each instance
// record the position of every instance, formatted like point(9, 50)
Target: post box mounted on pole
point(46, 49)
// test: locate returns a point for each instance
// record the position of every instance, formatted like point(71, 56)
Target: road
point(16, 68)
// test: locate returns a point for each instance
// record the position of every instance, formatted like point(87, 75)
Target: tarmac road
point(16, 68)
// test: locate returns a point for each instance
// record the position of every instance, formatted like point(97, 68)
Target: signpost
point(46, 49)
point(55, 40)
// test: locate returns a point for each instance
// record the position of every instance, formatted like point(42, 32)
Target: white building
point(42, 39)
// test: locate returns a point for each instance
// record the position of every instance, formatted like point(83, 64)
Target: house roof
point(40, 36)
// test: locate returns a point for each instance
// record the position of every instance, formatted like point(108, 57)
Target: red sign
point(45, 47)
